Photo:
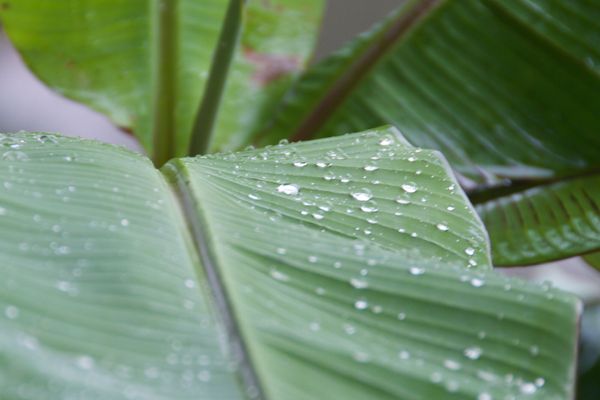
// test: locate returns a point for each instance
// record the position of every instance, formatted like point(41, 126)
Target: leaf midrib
point(178, 180)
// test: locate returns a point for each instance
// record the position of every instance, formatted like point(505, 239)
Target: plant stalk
point(164, 91)
point(206, 117)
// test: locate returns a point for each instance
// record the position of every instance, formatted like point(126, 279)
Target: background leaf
point(101, 54)
point(506, 90)
point(360, 309)
point(545, 222)
point(99, 297)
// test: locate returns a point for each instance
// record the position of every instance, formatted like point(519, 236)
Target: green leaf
point(546, 222)
point(328, 285)
point(146, 68)
point(506, 90)
point(593, 259)
point(100, 296)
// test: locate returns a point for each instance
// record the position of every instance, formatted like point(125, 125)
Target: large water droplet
point(362, 195)
point(473, 353)
point(370, 168)
point(416, 271)
point(361, 304)
point(442, 227)
point(289, 189)
point(470, 251)
point(359, 283)
point(476, 282)
point(386, 141)
point(300, 163)
point(369, 207)
point(409, 187)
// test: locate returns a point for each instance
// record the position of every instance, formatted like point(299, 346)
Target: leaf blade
point(100, 293)
point(316, 301)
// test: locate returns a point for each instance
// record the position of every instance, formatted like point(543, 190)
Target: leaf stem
point(164, 59)
point(209, 106)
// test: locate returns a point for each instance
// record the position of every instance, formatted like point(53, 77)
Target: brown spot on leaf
point(4, 6)
point(127, 130)
point(270, 67)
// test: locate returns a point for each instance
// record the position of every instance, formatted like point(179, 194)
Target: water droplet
point(362, 195)
point(534, 350)
point(359, 283)
point(402, 200)
point(322, 164)
point(450, 208)
point(349, 329)
point(386, 141)
point(369, 207)
point(539, 382)
point(452, 365)
point(189, 283)
point(85, 362)
point(279, 276)
point(2, 211)
point(370, 168)
point(442, 227)
point(470, 251)
point(404, 355)
point(528, 388)
point(473, 353)
point(416, 271)
point(401, 316)
point(312, 259)
point(300, 163)
point(281, 250)
point(253, 196)
point(125, 222)
point(476, 282)
point(318, 217)
point(360, 356)
point(409, 187)
point(314, 326)
point(484, 396)
point(361, 304)
point(11, 312)
point(13, 155)
point(289, 189)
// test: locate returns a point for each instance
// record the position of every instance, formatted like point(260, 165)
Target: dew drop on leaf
point(473, 353)
point(409, 187)
point(362, 195)
point(289, 189)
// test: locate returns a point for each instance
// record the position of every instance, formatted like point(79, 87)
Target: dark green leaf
point(545, 222)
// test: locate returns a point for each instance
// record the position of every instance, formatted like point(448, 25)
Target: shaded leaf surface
point(382, 314)
point(99, 298)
